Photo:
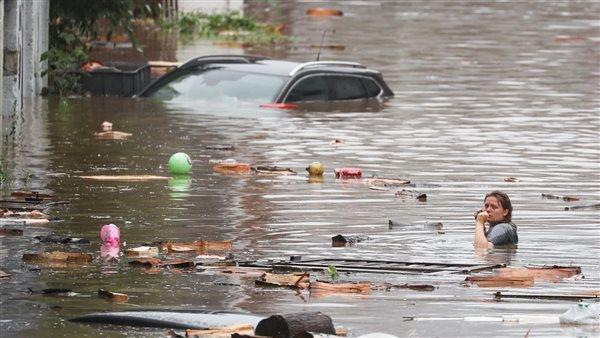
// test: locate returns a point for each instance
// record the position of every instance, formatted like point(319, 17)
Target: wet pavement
point(483, 92)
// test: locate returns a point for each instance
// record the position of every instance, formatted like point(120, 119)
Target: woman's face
point(496, 213)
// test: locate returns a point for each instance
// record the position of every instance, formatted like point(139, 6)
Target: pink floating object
point(348, 172)
point(110, 235)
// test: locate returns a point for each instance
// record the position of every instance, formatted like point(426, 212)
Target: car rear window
point(373, 88)
point(218, 84)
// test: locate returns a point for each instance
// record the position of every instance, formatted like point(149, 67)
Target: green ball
point(180, 164)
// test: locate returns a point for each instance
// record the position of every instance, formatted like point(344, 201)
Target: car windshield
point(219, 84)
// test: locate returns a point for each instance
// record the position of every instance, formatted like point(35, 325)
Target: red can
point(348, 173)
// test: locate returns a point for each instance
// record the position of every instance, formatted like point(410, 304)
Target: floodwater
point(484, 91)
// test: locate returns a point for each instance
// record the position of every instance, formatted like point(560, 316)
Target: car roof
point(268, 66)
point(264, 65)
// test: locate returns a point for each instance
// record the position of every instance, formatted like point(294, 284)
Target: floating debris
point(112, 135)
point(416, 287)
point(294, 280)
point(564, 198)
point(569, 39)
point(142, 251)
point(427, 225)
point(145, 262)
point(575, 297)
point(590, 206)
point(340, 240)
point(334, 47)
point(511, 179)
point(544, 273)
point(4, 274)
point(337, 142)
point(295, 325)
point(198, 246)
point(56, 292)
point(220, 147)
point(32, 196)
point(124, 178)
point(109, 134)
point(345, 173)
point(113, 296)
point(75, 258)
point(10, 232)
point(62, 239)
point(315, 169)
point(231, 166)
point(500, 281)
point(273, 170)
point(340, 287)
point(155, 262)
point(413, 194)
point(247, 330)
point(317, 11)
point(386, 182)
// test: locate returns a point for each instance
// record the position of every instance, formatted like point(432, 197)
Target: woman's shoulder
point(503, 233)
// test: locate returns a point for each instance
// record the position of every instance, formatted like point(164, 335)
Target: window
point(373, 89)
point(217, 84)
point(311, 88)
point(345, 88)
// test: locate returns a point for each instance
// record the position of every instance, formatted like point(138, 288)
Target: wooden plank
point(125, 178)
point(376, 266)
point(389, 262)
point(574, 297)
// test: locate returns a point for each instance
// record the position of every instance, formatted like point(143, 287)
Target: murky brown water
point(483, 92)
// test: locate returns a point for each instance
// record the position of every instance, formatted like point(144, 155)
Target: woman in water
point(496, 215)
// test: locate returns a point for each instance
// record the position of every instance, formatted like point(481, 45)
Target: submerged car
point(276, 83)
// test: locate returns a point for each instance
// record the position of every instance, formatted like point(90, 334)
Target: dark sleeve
point(503, 234)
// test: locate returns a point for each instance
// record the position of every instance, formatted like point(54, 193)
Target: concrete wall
point(25, 39)
point(211, 6)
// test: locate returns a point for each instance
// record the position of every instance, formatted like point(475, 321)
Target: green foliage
point(73, 23)
point(229, 26)
point(87, 19)
point(332, 273)
point(63, 69)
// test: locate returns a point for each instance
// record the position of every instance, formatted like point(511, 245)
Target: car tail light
point(279, 105)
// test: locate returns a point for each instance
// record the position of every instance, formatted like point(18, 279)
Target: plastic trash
point(110, 235)
point(106, 126)
point(348, 173)
point(582, 314)
point(315, 169)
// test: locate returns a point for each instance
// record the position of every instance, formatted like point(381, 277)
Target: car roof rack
point(222, 58)
point(325, 63)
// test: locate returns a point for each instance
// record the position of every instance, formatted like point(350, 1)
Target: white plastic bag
point(582, 314)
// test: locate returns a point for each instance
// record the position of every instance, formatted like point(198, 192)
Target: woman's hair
point(504, 201)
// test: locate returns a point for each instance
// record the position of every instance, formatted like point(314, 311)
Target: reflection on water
point(477, 100)
point(180, 186)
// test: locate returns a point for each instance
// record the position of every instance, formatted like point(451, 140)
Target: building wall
point(25, 39)
point(211, 6)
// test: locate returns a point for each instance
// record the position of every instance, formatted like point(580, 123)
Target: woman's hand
point(481, 216)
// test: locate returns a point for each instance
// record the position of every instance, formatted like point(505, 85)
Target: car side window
point(373, 89)
point(311, 88)
point(345, 88)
